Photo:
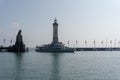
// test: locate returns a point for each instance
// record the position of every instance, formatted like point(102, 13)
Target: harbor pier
point(98, 49)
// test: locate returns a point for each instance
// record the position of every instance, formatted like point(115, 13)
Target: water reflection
point(56, 66)
point(18, 66)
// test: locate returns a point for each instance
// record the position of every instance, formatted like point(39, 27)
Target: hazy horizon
point(78, 20)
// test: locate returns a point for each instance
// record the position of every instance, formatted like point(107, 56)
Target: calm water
point(60, 66)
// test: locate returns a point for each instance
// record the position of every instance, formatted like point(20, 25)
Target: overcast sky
point(78, 20)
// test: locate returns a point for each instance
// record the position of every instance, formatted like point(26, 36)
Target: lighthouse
point(55, 31)
point(55, 45)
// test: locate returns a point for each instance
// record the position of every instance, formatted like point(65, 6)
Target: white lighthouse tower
point(55, 45)
point(55, 31)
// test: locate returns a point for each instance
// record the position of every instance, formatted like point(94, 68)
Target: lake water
point(91, 65)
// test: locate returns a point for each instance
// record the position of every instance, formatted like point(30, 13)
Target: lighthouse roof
point(55, 22)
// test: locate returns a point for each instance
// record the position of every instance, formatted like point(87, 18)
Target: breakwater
point(98, 49)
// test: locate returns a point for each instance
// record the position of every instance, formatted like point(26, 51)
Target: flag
point(110, 42)
point(118, 42)
point(76, 41)
point(85, 42)
point(68, 41)
point(11, 40)
point(101, 42)
point(4, 40)
point(94, 41)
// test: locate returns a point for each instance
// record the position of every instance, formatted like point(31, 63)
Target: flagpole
point(115, 43)
point(85, 43)
point(68, 43)
point(118, 43)
point(111, 44)
point(106, 43)
point(76, 43)
point(4, 42)
point(94, 43)
point(102, 43)
point(11, 41)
